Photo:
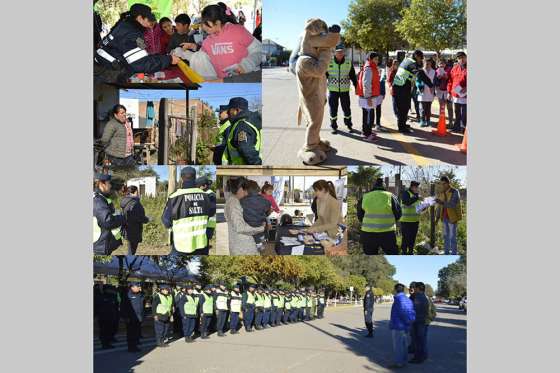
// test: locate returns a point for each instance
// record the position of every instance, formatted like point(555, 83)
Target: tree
point(434, 24)
point(376, 270)
point(429, 291)
point(371, 25)
point(364, 178)
point(452, 281)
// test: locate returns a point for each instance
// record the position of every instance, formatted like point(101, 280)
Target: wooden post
point(172, 179)
point(194, 137)
point(386, 182)
point(432, 218)
point(163, 133)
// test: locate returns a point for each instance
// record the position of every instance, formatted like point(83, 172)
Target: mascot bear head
point(319, 37)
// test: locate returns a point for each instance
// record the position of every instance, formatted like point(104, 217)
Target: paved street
point(282, 137)
point(334, 344)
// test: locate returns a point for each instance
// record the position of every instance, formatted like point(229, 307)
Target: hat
point(238, 103)
point(222, 108)
point(102, 177)
point(142, 10)
point(340, 47)
point(208, 287)
point(251, 286)
point(460, 54)
point(134, 283)
point(414, 183)
point(237, 286)
point(203, 180)
point(164, 286)
point(187, 287)
point(188, 171)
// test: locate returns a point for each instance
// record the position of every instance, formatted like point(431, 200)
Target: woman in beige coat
point(329, 209)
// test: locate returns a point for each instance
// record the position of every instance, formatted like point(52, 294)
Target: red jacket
point(375, 85)
point(457, 77)
point(275, 207)
point(164, 42)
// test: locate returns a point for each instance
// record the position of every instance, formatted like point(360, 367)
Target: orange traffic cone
point(441, 127)
point(463, 146)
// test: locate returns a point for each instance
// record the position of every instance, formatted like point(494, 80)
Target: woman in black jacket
point(135, 217)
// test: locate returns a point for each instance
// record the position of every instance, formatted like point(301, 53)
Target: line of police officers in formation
point(196, 311)
point(189, 215)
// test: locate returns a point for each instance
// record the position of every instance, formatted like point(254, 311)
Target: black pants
point(105, 331)
point(221, 321)
point(373, 241)
point(368, 116)
point(205, 323)
point(409, 232)
point(344, 98)
point(133, 328)
point(402, 99)
point(460, 116)
point(132, 247)
point(426, 111)
point(378, 115)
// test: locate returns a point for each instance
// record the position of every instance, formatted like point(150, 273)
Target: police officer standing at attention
point(204, 183)
point(267, 308)
point(259, 308)
point(162, 308)
point(235, 300)
point(248, 304)
point(123, 51)
point(244, 141)
point(132, 312)
point(287, 308)
point(197, 293)
point(107, 310)
point(321, 304)
point(207, 304)
point(368, 310)
point(186, 216)
point(339, 75)
point(221, 308)
point(409, 69)
point(107, 225)
point(188, 308)
point(410, 219)
point(379, 211)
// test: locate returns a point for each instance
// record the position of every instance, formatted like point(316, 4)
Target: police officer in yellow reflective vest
point(409, 69)
point(379, 211)
point(186, 216)
point(207, 304)
point(223, 132)
point(410, 219)
point(244, 140)
point(321, 303)
point(162, 309)
point(339, 75)
point(259, 307)
point(222, 299)
point(235, 300)
point(204, 183)
point(188, 307)
point(107, 224)
point(248, 304)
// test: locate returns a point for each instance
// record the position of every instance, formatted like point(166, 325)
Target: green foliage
point(434, 24)
point(429, 291)
point(452, 281)
point(110, 10)
point(364, 178)
point(371, 25)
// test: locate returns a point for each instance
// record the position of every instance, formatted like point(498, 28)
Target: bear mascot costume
point(310, 63)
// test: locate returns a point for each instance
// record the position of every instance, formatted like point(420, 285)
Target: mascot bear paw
point(311, 156)
point(325, 146)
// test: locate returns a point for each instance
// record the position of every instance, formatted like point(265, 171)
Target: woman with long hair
point(329, 209)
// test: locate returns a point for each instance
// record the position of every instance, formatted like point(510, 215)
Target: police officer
point(197, 293)
point(222, 299)
point(368, 310)
point(244, 140)
point(313, 304)
point(267, 308)
point(107, 312)
point(321, 304)
point(188, 308)
point(162, 308)
point(132, 312)
point(235, 301)
point(248, 304)
point(223, 131)
point(295, 307)
point(178, 295)
point(378, 211)
point(410, 219)
point(259, 308)
point(301, 304)
point(204, 183)
point(207, 304)
point(308, 304)
point(186, 216)
point(287, 308)
point(339, 75)
point(123, 51)
point(409, 69)
point(107, 225)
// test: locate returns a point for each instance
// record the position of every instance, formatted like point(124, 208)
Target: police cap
point(238, 103)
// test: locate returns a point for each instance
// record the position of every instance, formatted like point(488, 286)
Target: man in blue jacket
point(421, 307)
point(402, 316)
point(107, 224)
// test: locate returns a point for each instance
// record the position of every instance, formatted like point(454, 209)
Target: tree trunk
point(172, 181)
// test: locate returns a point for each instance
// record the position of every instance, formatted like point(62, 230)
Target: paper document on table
point(298, 250)
point(427, 202)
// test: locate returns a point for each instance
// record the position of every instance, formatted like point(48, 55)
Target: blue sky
point(284, 19)
point(423, 268)
point(214, 93)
